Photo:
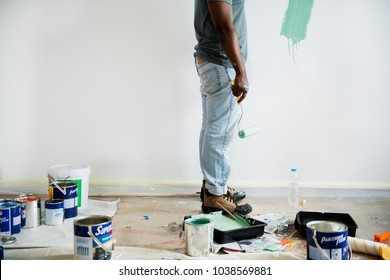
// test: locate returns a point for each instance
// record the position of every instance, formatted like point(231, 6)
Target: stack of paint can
point(67, 192)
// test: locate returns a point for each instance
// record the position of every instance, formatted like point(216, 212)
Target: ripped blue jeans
point(219, 124)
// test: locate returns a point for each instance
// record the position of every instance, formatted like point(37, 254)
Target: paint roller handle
point(382, 236)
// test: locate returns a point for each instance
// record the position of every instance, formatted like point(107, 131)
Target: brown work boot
point(237, 195)
point(213, 203)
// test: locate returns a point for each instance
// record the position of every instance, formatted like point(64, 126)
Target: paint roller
point(244, 133)
point(369, 247)
point(250, 131)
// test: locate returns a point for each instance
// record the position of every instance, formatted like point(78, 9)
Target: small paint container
point(30, 211)
point(93, 238)
point(67, 191)
point(54, 212)
point(9, 218)
point(199, 235)
point(23, 207)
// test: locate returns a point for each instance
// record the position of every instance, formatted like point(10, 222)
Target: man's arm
point(222, 16)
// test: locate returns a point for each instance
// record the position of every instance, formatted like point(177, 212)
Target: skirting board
point(128, 188)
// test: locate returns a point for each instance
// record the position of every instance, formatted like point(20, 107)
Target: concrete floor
point(155, 221)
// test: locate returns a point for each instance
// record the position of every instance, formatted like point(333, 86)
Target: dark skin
point(222, 16)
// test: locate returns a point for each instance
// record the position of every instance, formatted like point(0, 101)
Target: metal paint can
point(68, 193)
point(9, 218)
point(93, 238)
point(31, 210)
point(327, 240)
point(23, 207)
point(199, 234)
point(54, 212)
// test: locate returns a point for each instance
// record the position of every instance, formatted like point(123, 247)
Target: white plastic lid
point(69, 170)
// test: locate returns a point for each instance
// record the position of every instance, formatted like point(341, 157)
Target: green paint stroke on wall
point(295, 21)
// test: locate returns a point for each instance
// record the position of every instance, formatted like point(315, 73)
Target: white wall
point(112, 84)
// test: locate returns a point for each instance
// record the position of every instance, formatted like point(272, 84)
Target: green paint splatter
point(295, 22)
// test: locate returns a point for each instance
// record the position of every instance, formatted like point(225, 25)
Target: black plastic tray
point(254, 230)
point(304, 217)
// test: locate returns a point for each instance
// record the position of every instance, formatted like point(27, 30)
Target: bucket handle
point(98, 241)
point(54, 181)
point(318, 246)
point(323, 252)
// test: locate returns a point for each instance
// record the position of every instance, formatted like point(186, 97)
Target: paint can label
point(93, 238)
point(327, 241)
point(54, 212)
point(10, 218)
point(68, 194)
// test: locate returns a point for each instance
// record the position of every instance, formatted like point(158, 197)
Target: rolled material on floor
point(365, 246)
point(244, 133)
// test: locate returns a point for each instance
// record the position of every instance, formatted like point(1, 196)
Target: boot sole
point(208, 210)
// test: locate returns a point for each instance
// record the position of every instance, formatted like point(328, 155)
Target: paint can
point(93, 238)
point(199, 237)
point(30, 210)
point(10, 218)
point(23, 208)
point(67, 193)
point(54, 212)
point(327, 240)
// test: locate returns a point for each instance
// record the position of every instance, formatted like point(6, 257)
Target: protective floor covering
point(150, 227)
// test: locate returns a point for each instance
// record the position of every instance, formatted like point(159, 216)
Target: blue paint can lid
point(7, 205)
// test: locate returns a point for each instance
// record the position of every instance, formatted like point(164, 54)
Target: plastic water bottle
point(293, 197)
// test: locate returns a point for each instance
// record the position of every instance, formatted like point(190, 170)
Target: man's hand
point(240, 88)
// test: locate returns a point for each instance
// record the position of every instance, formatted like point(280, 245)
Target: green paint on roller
point(295, 21)
point(244, 133)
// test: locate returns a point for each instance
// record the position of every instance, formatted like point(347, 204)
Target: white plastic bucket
point(75, 173)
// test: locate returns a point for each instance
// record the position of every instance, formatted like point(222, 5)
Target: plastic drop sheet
point(137, 253)
point(61, 235)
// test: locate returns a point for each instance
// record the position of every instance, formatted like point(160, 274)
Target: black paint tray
point(222, 234)
point(303, 217)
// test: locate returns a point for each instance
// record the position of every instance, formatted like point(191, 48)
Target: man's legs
point(219, 125)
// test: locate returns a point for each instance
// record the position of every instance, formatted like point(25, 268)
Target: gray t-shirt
point(209, 47)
